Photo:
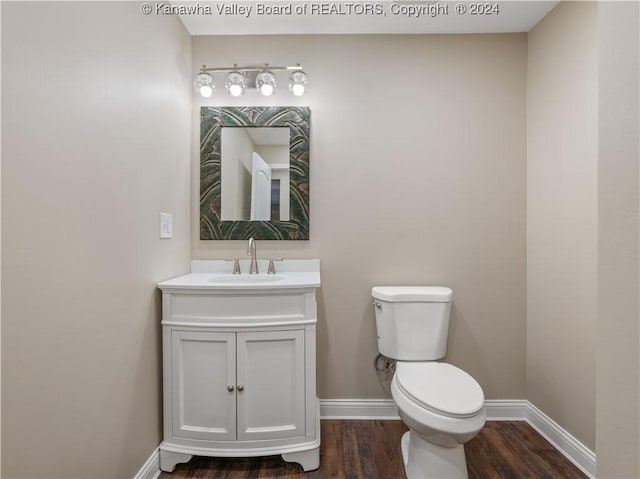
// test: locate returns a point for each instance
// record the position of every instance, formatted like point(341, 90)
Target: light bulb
point(206, 91)
point(267, 90)
point(235, 90)
point(297, 89)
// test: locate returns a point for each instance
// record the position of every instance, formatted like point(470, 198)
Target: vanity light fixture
point(204, 84)
point(239, 79)
point(298, 82)
point(266, 81)
point(236, 83)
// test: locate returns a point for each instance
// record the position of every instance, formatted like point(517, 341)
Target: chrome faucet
point(251, 251)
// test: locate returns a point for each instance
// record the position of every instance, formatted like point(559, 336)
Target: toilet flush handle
point(376, 304)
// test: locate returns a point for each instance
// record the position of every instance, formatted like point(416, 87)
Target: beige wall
point(237, 149)
point(95, 130)
point(562, 216)
point(617, 424)
point(417, 177)
point(0, 238)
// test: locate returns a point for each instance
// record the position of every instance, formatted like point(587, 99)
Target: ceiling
point(269, 136)
point(350, 17)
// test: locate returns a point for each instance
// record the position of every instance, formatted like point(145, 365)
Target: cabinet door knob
point(240, 387)
point(230, 388)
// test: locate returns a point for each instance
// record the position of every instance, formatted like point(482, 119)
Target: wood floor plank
point(352, 449)
point(331, 458)
point(504, 459)
point(478, 453)
point(386, 452)
point(366, 449)
point(528, 439)
point(354, 464)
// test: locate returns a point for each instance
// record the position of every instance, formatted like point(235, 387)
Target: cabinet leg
point(168, 460)
point(309, 460)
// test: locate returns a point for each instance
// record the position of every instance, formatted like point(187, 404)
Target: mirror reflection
point(254, 173)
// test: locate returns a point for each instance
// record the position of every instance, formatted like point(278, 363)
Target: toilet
point(442, 405)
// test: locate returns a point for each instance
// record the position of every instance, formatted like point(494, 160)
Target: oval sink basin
point(246, 279)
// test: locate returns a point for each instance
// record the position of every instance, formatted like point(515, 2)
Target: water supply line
point(388, 364)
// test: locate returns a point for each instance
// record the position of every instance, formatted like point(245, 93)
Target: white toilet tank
point(412, 321)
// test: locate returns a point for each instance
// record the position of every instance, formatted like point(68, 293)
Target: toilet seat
point(440, 388)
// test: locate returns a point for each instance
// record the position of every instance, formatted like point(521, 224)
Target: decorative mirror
point(254, 173)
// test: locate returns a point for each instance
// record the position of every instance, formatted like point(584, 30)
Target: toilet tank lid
point(436, 294)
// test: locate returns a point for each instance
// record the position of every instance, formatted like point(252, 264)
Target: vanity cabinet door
point(271, 384)
point(203, 373)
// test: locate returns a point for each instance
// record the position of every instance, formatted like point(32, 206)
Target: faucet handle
point(272, 267)
point(236, 264)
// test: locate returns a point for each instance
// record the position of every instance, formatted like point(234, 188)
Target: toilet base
point(423, 460)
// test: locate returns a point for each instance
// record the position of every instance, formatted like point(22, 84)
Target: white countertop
point(217, 275)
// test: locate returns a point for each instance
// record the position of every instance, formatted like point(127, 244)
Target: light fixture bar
point(248, 68)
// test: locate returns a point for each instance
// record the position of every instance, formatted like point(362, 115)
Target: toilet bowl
point(442, 405)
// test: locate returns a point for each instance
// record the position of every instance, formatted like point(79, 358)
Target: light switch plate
point(166, 225)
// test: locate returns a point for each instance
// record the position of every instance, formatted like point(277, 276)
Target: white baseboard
point(358, 409)
point(151, 468)
point(497, 410)
point(508, 410)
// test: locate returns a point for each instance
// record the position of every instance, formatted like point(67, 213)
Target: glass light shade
point(236, 83)
point(298, 82)
point(266, 83)
point(203, 84)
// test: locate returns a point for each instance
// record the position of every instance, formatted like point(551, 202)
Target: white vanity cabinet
point(239, 370)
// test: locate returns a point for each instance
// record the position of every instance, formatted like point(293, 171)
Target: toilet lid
point(440, 387)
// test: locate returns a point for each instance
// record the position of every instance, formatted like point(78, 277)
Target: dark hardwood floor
point(371, 449)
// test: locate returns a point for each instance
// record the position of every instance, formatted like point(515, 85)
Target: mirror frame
point(212, 119)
